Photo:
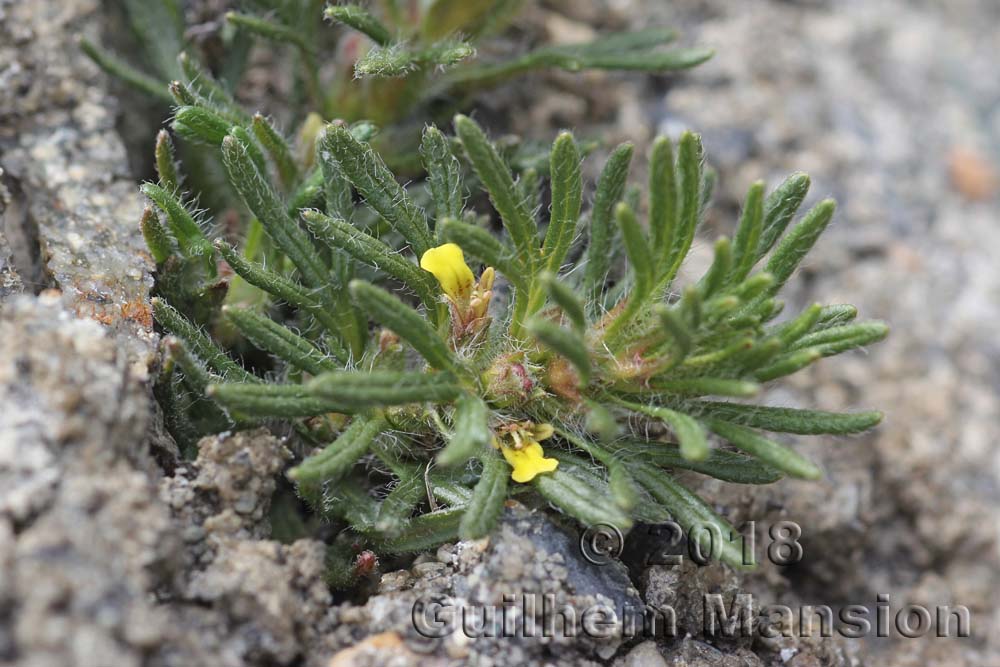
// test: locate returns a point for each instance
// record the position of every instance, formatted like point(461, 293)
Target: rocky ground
point(109, 557)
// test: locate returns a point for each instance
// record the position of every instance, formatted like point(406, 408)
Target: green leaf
point(359, 19)
point(690, 434)
point(779, 209)
point(787, 364)
point(200, 125)
point(568, 344)
point(268, 29)
point(157, 240)
point(837, 339)
point(361, 389)
point(499, 183)
point(199, 344)
point(675, 328)
point(443, 175)
point(284, 289)
point(258, 196)
point(694, 515)
point(663, 199)
point(792, 331)
point(277, 148)
point(622, 487)
point(703, 386)
point(610, 190)
point(720, 463)
point(566, 299)
point(341, 235)
point(471, 433)
point(788, 420)
point(270, 336)
point(715, 277)
point(394, 512)
point(798, 242)
point(376, 184)
point(120, 69)
point(567, 197)
point(835, 315)
point(406, 323)
point(425, 532)
point(486, 247)
point(576, 497)
point(777, 456)
point(638, 250)
point(689, 183)
point(340, 456)
point(484, 509)
point(190, 239)
point(281, 401)
point(748, 234)
point(166, 163)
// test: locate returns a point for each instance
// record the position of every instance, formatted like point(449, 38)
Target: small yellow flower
point(447, 263)
point(470, 300)
point(520, 448)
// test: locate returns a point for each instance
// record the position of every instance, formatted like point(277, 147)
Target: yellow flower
point(521, 449)
point(447, 263)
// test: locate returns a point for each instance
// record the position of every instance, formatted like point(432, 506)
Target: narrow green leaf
point(787, 364)
point(406, 323)
point(689, 182)
point(258, 196)
point(341, 235)
point(166, 163)
point(675, 328)
point(199, 343)
point(717, 273)
point(360, 389)
point(622, 487)
point(787, 420)
point(376, 184)
point(425, 532)
point(835, 315)
point(190, 239)
point(779, 209)
point(277, 148)
point(610, 190)
point(210, 91)
point(566, 299)
point(340, 456)
point(118, 68)
point(443, 175)
point(280, 341)
point(284, 289)
point(499, 183)
point(200, 125)
point(271, 30)
point(690, 434)
point(359, 19)
point(798, 242)
point(837, 339)
point(280, 401)
point(748, 234)
point(483, 511)
point(471, 433)
point(705, 386)
point(637, 248)
point(577, 498)
point(567, 198)
point(157, 241)
point(663, 199)
point(394, 512)
point(569, 344)
point(720, 463)
point(698, 520)
point(778, 456)
point(486, 247)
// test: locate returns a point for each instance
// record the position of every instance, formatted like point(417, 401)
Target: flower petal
point(447, 263)
point(528, 462)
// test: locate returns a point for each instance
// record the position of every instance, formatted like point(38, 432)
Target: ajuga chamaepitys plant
point(436, 359)
point(388, 63)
